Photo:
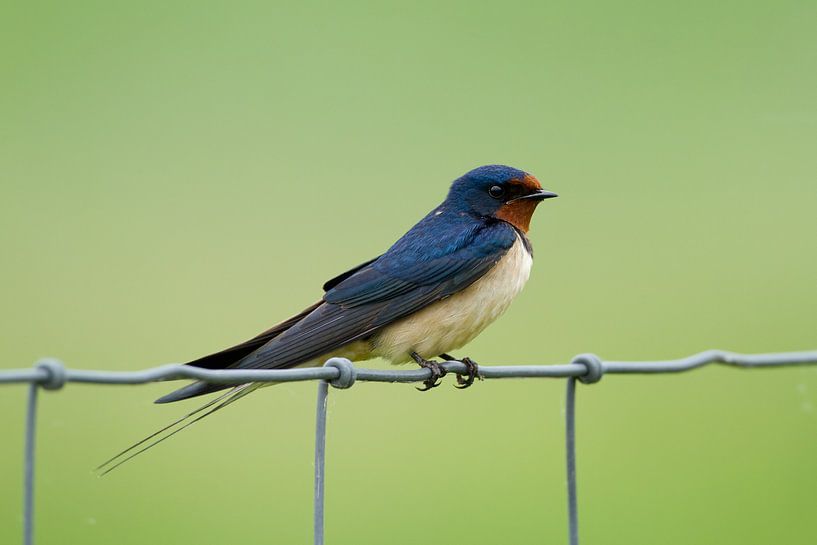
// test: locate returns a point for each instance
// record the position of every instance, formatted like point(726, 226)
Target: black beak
point(538, 195)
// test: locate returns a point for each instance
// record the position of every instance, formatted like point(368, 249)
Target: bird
point(433, 291)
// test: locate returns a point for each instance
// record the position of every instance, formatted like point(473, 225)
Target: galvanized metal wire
point(28, 465)
point(570, 455)
point(50, 374)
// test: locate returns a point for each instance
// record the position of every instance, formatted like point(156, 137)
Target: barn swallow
point(432, 292)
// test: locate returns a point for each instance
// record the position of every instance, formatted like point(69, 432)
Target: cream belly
point(453, 322)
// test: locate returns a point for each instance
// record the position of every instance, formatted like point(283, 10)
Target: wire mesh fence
point(50, 374)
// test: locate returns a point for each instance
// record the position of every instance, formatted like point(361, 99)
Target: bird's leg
point(437, 372)
point(472, 371)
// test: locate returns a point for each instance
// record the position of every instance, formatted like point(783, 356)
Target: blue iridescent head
point(500, 192)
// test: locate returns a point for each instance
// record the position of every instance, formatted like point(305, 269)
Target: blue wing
point(436, 259)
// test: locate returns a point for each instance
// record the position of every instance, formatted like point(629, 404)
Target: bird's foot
point(464, 380)
point(437, 372)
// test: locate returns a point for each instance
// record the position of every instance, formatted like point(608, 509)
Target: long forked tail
point(173, 428)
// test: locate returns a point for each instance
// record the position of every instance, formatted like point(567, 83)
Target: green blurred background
point(178, 176)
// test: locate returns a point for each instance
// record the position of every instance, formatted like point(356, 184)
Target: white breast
point(451, 323)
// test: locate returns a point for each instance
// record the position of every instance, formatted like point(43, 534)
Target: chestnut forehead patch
point(518, 187)
point(528, 182)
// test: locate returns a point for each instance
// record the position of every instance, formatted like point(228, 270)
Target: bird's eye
point(496, 191)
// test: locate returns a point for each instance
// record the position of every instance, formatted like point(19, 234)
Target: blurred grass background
point(178, 176)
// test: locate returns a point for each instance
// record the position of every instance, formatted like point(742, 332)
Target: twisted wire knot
point(347, 374)
point(593, 365)
point(56, 373)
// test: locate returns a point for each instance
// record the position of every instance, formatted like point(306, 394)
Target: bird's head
point(500, 192)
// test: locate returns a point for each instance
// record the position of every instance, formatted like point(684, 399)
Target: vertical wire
point(320, 459)
point(570, 449)
point(28, 464)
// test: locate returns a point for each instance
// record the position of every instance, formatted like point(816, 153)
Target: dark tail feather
point(192, 390)
point(220, 360)
point(229, 357)
point(220, 402)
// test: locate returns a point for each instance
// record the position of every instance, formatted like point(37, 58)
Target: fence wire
point(50, 374)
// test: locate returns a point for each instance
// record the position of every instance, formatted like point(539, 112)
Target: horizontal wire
point(44, 374)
